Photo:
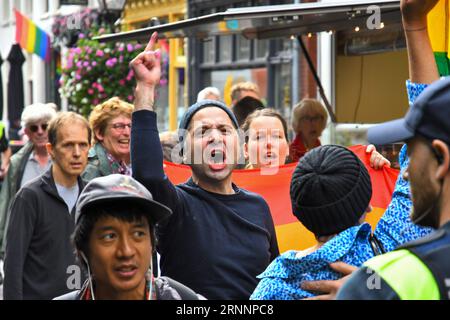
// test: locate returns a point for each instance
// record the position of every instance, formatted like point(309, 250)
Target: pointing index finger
point(152, 41)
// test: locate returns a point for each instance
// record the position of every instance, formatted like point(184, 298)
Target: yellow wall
point(377, 81)
point(140, 11)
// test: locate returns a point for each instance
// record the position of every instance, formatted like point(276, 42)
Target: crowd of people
point(87, 211)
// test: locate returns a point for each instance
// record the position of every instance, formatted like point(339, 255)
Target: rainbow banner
point(438, 30)
point(31, 37)
point(291, 234)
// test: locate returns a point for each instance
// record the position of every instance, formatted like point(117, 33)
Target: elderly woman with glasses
point(309, 119)
point(111, 124)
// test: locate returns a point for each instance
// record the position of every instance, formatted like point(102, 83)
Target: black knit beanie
point(330, 190)
point(187, 117)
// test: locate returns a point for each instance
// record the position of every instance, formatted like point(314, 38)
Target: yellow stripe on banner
point(294, 236)
point(31, 37)
point(438, 26)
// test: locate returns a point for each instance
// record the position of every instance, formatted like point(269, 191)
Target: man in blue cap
point(219, 237)
point(419, 270)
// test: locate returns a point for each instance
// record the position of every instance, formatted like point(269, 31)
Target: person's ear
point(99, 135)
point(49, 148)
point(246, 155)
point(443, 155)
point(27, 131)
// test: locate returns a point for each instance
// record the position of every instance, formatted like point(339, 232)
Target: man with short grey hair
point(29, 162)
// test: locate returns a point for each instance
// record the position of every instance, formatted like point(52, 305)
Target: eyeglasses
point(121, 126)
point(35, 127)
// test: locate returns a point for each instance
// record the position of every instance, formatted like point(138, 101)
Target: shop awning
point(278, 21)
point(274, 21)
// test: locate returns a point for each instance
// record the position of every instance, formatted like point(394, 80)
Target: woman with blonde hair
point(111, 126)
point(309, 119)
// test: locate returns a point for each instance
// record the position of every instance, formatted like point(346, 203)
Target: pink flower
point(81, 36)
point(130, 75)
point(122, 82)
point(130, 98)
point(86, 64)
point(90, 91)
point(130, 47)
point(79, 64)
point(78, 77)
point(94, 63)
point(95, 102)
point(138, 46)
point(99, 53)
point(100, 88)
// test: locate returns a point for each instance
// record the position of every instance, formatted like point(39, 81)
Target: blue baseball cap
point(429, 117)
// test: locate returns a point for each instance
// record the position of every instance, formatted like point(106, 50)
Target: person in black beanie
point(330, 195)
point(220, 236)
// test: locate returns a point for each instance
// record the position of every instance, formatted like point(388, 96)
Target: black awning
point(271, 21)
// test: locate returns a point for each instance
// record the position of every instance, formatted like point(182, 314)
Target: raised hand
point(147, 70)
point(415, 12)
point(147, 64)
point(377, 161)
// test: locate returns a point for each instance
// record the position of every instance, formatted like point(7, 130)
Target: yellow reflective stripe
point(406, 274)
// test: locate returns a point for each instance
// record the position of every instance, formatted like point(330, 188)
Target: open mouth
point(124, 142)
point(270, 157)
point(126, 271)
point(216, 159)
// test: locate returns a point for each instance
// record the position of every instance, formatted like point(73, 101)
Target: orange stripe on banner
point(25, 28)
point(294, 236)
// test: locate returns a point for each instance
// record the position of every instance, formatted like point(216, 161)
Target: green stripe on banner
point(37, 44)
point(443, 63)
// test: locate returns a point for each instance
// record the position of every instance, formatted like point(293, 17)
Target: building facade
point(36, 72)
point(173, 89)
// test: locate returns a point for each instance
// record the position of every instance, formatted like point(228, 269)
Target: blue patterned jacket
point(283, 277)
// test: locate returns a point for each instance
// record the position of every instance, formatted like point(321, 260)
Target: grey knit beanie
point(330, 190)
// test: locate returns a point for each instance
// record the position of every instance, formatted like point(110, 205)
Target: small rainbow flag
point(438, 30)
point(31, 37)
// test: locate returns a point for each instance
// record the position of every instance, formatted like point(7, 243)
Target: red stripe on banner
point(19, 22)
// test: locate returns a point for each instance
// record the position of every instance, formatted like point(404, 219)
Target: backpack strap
point(377, 247)
point(184, 292)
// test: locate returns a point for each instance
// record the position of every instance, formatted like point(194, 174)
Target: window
point(208, 50)
point(16, 5)
point(225, 48)
point(243, 48)
point(6, 11)
point(29, 7)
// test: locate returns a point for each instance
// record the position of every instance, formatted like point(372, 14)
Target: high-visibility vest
point(419, 270)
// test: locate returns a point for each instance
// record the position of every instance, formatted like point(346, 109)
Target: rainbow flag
point(291, 234)
point(438, 30)
point(31, 37)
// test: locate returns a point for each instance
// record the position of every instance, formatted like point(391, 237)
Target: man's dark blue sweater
point(215, 244)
